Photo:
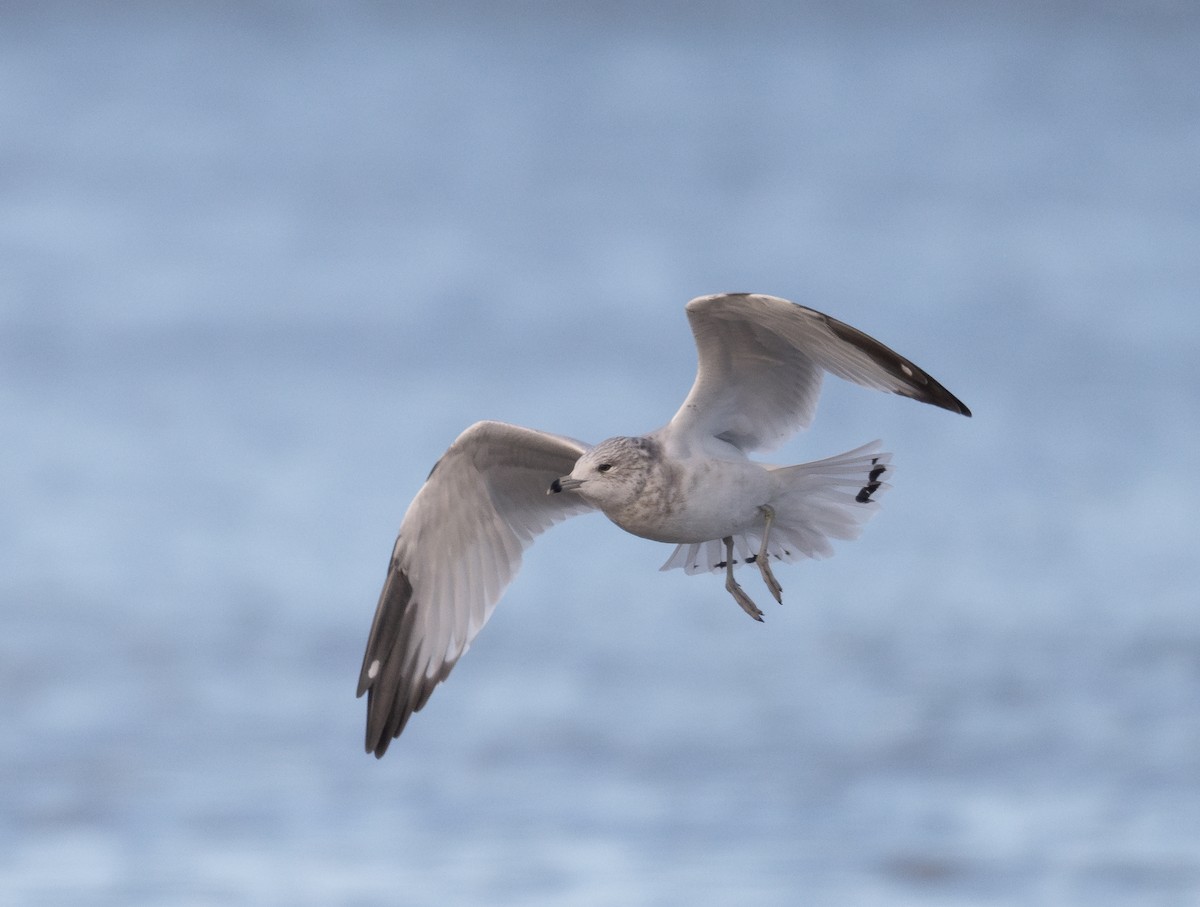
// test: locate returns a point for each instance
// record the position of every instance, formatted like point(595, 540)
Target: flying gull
point(690, 484)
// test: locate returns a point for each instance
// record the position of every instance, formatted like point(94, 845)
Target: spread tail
point(826, 499)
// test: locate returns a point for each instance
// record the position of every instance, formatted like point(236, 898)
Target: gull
point(689, 484)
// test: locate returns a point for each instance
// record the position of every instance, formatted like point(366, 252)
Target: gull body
point(691, 483)
point(671, 498)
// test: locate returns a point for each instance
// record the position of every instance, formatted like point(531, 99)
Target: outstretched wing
point(459, 546)
point(761, 361)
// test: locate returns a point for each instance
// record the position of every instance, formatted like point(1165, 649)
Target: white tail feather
point(826, 499)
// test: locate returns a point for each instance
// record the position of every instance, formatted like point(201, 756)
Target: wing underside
point(459, 546)
point(761, 360)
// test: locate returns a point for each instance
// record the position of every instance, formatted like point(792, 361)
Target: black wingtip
point(380, 677)
point(930, 392)
point(914, 381)
point(382, 728)
point(946, 400)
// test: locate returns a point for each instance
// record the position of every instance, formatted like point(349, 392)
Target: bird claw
point(732, 587)
point(740, 596)
point(764, 568)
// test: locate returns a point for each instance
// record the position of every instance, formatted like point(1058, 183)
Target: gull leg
point(764, 558)
point(731, 585)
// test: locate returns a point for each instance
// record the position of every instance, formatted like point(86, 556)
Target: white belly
point(702, 500)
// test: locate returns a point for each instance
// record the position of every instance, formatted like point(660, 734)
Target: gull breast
point(695, 500)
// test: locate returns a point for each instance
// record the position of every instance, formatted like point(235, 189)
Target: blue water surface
point(261, 262)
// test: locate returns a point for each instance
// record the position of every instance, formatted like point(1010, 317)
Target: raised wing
point(761, 362)
point(459, 546)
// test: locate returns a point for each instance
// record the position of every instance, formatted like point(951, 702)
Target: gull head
point(611, 474)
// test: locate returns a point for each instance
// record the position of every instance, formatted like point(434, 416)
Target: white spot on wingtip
point(373, 670)
point(904, 368)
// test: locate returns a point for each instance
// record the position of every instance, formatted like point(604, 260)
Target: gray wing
point(761, 362)
point(459, 546)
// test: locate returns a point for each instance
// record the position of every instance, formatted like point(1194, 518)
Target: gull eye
point(604, 467)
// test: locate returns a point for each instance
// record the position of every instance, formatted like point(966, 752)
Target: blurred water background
point(261, 262)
